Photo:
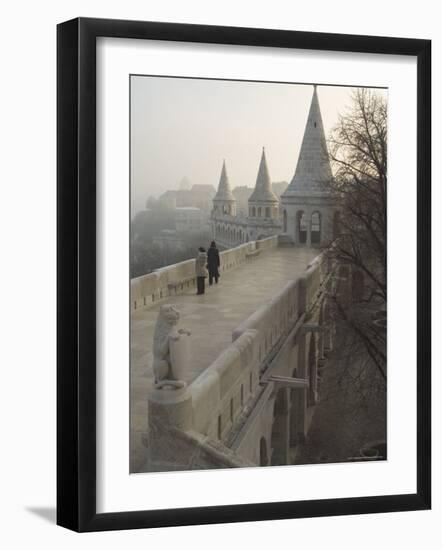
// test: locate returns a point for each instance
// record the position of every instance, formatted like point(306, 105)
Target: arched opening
point(336, 224)
point(263, 454)
point(253, 212)
point(301, 227)
point(259, 211)
point(247, 238)
point(268, 212)
point(280, 429)
point(315, 228)
point(284, 219)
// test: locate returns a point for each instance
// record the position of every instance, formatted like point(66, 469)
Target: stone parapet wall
point(273, 319)
point(177, 278)
point(212, 411)
point(312, 279)
point(221, 391)
point(268, 242)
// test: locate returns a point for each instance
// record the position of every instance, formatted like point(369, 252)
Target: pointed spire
point(263, 188)
point(313, 171)
point(224, 192)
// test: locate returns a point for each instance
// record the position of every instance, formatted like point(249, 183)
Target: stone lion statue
point(165, 332)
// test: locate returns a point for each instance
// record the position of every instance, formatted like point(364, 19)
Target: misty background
point(183, 127)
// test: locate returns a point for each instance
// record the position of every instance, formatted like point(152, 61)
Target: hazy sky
point(186, 127)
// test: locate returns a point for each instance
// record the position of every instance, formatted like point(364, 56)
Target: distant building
point(242, 194)
point(198, 196)
point(189, 219)
point(279, 187)
point(169, 239)
point(184, 184)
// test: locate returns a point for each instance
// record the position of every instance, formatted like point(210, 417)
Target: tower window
point(315, 228)
point(301, 227)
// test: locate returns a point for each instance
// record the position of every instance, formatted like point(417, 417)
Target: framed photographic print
point(240, 336)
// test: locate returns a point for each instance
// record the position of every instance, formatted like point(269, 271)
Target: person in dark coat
point(213, 263)
point(200, 269)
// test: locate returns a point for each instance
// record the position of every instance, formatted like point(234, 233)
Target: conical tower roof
point(263, 188)
point(224, 192)
point(313, 171)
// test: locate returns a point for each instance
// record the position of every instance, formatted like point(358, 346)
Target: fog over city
point(186, 127)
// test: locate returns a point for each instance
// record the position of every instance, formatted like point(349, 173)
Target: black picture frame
point(76, 273)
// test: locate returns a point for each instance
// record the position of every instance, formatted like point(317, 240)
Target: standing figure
point(213, 263)
point(200, 269)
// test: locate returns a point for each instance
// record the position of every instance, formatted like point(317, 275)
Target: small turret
point(263, 203)
point(224, 201)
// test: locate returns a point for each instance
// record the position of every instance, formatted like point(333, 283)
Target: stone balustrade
point(272, 319)
point(220, 393)
point(174, 279)
point(213, 409)
point(268, 242)
point(313, 277)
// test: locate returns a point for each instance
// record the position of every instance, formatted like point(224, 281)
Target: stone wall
point(221, 391)
point(175, 279)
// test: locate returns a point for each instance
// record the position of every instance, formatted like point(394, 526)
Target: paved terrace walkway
point(211, 318)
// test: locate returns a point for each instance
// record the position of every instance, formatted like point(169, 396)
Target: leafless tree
point(358, 151)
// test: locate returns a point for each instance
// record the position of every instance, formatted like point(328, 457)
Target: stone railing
point(175, 279)
point(220, 393)
point(268, 242)
point(220, 400)
point(312, 279)
point(272, 319)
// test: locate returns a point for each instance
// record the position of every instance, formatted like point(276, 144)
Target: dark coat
point(213, 261)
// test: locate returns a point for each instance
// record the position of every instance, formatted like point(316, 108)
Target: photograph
point(258, 273)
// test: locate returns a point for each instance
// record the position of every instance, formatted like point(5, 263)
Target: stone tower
point(263, 203)
point(224, 202)
point(263, 218)
point(308, 206)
